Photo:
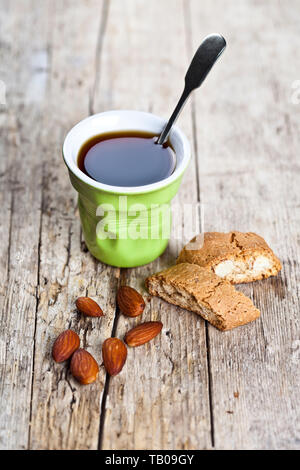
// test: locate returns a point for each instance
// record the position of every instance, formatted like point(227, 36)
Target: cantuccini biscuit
point(235, 256)
point(195, 288)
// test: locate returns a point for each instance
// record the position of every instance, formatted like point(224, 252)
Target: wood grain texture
point(64, 413)
point(249, 172)
point(192, 387)
point(24, 53)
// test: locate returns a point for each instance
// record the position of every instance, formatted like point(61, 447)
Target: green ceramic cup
point(124, 226)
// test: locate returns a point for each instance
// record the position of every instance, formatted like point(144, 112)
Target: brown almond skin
point(84, 367)
point(143, 333)
point(89, 307)
point(114, 354)
point(130, 302)
point(65, 345)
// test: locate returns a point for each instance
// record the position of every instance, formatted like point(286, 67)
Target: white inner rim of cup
point(123, 120)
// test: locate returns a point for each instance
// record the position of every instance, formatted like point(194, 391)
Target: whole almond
point(84, 367)
point(65, 345)
point(89, 307)
point(114, 354)
point(143, 333)
point(130, 302)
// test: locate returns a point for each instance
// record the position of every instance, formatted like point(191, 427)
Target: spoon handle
point(205, 57)
point(165, 133)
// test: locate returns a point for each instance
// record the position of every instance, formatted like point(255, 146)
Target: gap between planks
point(104, 15)
point(101, 34)
point(49, 57)
point(189, 46)
point(37, 302)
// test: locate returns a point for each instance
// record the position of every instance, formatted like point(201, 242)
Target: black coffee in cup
point(126, 158)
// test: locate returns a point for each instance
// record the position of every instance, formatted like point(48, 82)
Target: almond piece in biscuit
point(235, 256)
point(194, 288)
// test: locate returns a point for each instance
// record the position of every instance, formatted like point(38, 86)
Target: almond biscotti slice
point(235, 256)
point(195, 288)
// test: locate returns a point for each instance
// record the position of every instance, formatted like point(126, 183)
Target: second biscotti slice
point(194, 288)
point(235, 256)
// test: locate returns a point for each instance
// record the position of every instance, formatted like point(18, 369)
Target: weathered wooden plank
point(5, 186)
point(247, 132)
point(160, 400)
point(247, 144)
point(259, 362)
point(24, 53)
point(66, 415)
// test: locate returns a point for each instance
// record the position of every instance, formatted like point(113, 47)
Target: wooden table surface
point(193, 387)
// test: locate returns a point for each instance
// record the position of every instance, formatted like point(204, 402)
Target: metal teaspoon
point(207, 54)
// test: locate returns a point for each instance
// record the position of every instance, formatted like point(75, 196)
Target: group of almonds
point(114, 352)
